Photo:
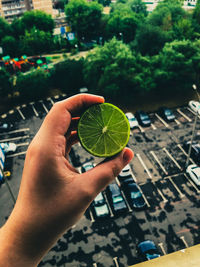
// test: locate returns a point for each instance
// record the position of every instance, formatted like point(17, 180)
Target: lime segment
point(103, 130)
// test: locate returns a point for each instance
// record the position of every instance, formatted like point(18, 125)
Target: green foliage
point(84, 18)
point(36, 42)
point(5, 84)
point(68, 75)
point(37, 19)
point(150, 39)
point(177, 66)
point(10, 46)
point(122, 25)
point(34, 85)
point(5, 28)
point(138, 6)
point(115, 72)
point(104, 2)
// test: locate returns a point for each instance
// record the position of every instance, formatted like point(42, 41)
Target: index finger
point(77, 103)
point(59, 118)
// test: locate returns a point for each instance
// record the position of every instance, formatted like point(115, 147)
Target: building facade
point(10, 9)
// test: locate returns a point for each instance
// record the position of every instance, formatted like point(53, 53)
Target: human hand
point(53, 195)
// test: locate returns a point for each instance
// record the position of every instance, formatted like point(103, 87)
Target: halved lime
point(103, 130)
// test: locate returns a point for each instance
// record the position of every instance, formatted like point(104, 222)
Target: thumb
point(101, 175)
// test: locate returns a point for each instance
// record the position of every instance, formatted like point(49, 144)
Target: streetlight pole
point(194, 127)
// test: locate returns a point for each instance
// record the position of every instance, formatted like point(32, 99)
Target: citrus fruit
point(103, 130)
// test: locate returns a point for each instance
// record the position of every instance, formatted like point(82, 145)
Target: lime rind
point(103, 127)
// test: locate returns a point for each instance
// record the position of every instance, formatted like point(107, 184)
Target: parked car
point(5, 127)
point(143, 118)
point(100, 207)
point(194, 172)
point(132, 120)
point(116, 198)
point(195, 151)
point(133, 193)
point(8, 147)
point(148, 250)
point(195, 106)
point(87, 166)
point(166, 114)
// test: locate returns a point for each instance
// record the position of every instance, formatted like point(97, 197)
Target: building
point(151, 4)
point(10, 9)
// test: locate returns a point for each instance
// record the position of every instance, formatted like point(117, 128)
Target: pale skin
point(53, 195)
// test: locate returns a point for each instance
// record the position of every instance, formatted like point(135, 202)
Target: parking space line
point(16, 131)
point(64, 95)
point(107, 202)
point(127, 204)
point(3, 116)
point(159, 163)
point(145, 199)
point(183, 114)
point(91, 215)
point(16, 154)
point(194, 113)
point(141, 129)
point(11, 111)
point(144, 166)
point(191, 182)
point(94, 264)
point(34, 110)
point(177, 121)
point(52, 102)
point(21, 114)
point(176, 187)
point(153, 126)
point(45, 108)
point(160, 193)
point(115, 259)
point(164, 122)
point(23, 144)
point(24, 105)
point(14, 138)
point(172, 158)
point(180, 147)
point(162, 248)
point(184, 241)
point(56, 96)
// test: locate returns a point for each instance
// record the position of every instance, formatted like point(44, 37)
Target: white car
point(194, 172)
point(8, 147)
point(132, 120)
point(195, 106)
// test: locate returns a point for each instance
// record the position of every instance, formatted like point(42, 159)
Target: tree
point(36, 42)
point(138, 7)
point(109, 70)
point(5, 85)
point(122, 25)
point(60, 4)
point(34, 85)
point(39, 20)
point(150, 39)
point(84, 18)
point(68, 75)
point(10, 46)
point(178, 66)
point(5, 28)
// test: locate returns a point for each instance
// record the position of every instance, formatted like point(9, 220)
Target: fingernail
point(127, 156)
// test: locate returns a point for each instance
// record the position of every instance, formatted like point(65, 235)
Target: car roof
point(146, 245)
point(114, 188)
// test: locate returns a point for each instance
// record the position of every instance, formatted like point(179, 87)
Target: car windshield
point(132, 119)
point(144, 116)
point(135, 195)
point(117, 199)
point(168, 112)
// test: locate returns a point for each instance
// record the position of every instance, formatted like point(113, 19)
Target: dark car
point(143, 118)
point(5, 127)
point(134, 195)
point(195, 151)
point(148, 250)
point(100, 207)
point(87, 166)
point(166, 114)
point(116, 198)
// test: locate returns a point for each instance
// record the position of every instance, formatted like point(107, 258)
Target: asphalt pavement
point(172, 217)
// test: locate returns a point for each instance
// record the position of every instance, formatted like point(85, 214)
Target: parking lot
point(171, 219)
